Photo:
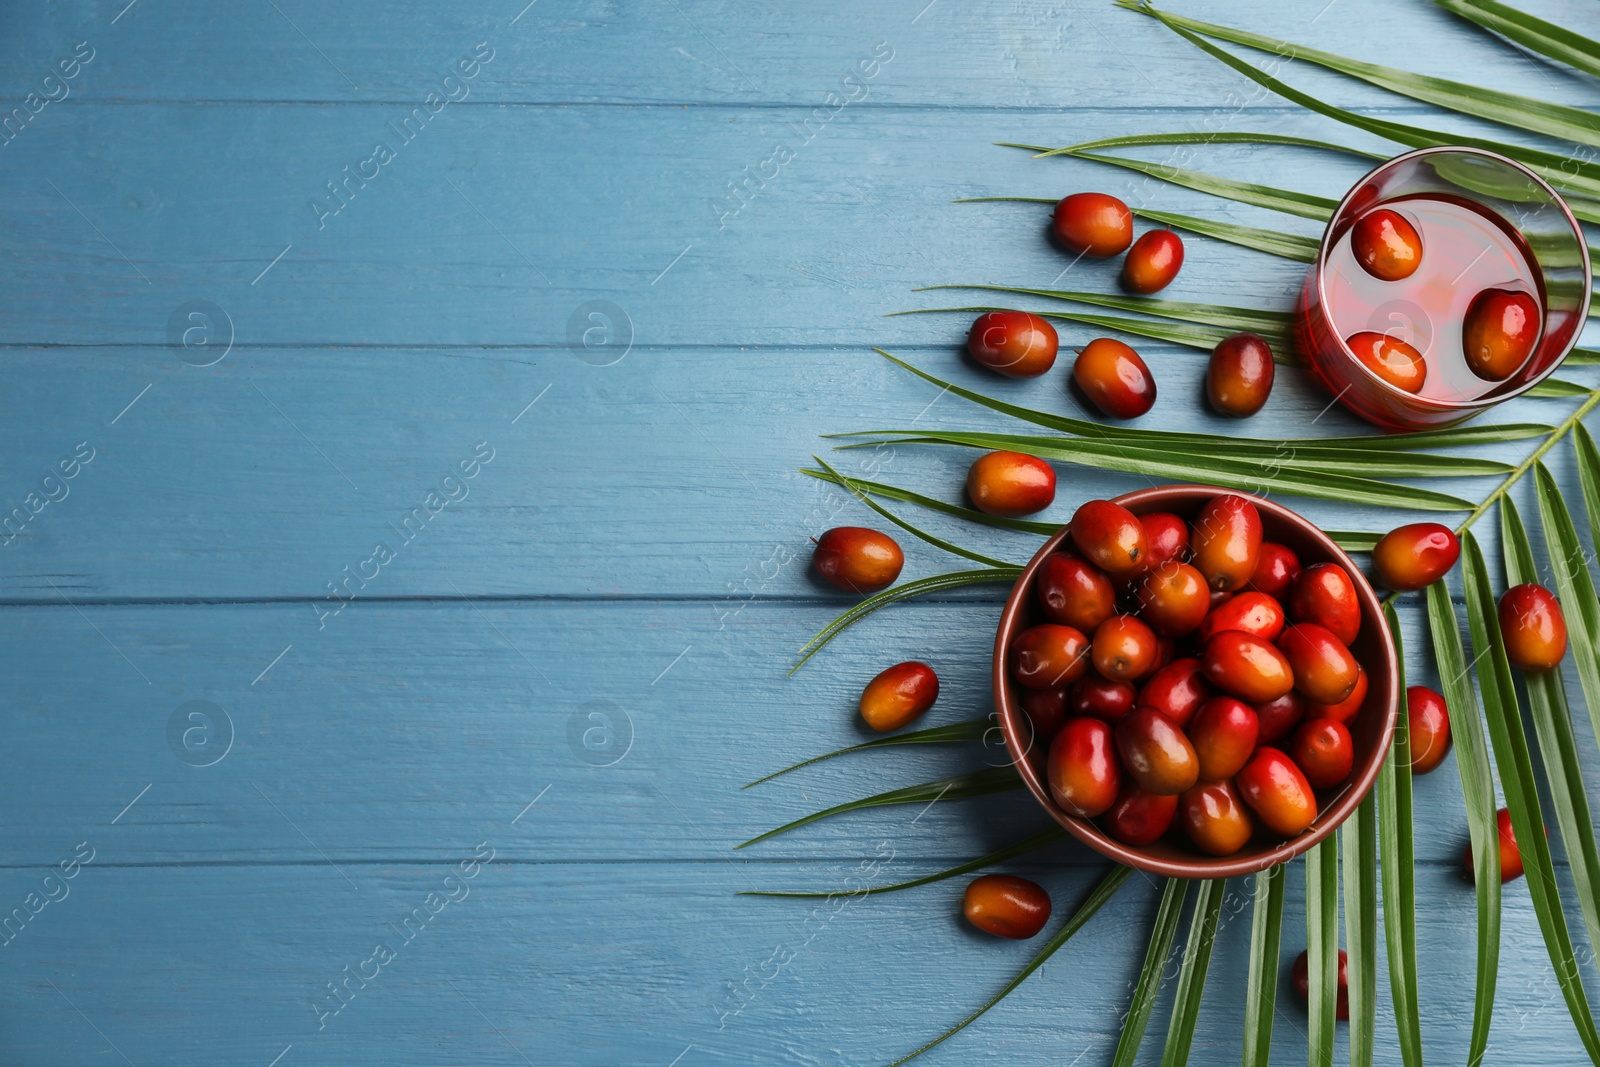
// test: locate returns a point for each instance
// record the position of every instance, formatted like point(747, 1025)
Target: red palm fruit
point(1153, 261)
point(1047, 709)
point(1124, 648)
point(1324, 752)
point(1014, 343)
point(1227, 541)
point(1155, 753)
point(1115, 378)
point(1176, 690)
point(1510, 853)
point(1428, 726)
point(1074, 592)
point(1224, 733)
point(1279, 717)
point(1010, 484)
point(857, 559)
point(1082, 769)
point(1414, 556)
point(1109, 536)
point(1498, 332)
point(1324, 670)
point(1048, 656)
point(1346, 709)
point(1006, 906)
point(1254, 613)
point(1165, 537)
point(1390, 358)
point(1300, 977)
point(1247, 667)
point(1325, 594)
point(1138, 817)
point(1386, 245)
point(1215, 819)
point(1101, 698)
point(1276, 569)
point(1094, 224)
point(1276, 790)
point(1173, 598)
point(898, 695)
point(1534, 629)
point(1239, 375)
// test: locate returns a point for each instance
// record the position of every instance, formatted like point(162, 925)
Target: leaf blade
point(1510, 109)
point(969, 730)
point(1261, 985)
point(1515, 763)
point(1558, 746)
point(1033, 842)
point(1477, 786)
point(1149, 985)
point(956, 787)
point(1358, 841)
point(1192, 972)
point(1397, 870)
point(1322, 948)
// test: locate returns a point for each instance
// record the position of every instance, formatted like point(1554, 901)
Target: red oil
point(1465, 250)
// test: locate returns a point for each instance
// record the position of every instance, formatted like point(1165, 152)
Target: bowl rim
point(1325, 247)
point(1384, 678)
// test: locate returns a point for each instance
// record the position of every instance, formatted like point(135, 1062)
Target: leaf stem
point(1526, 465)
point(1556, 434)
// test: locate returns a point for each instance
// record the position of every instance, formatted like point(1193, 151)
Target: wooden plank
point(267, 475)
point(566, 963)
point(398, 729)
point(453, 244)
point(720, 53)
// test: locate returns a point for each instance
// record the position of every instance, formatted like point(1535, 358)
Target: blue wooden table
point(434, 380)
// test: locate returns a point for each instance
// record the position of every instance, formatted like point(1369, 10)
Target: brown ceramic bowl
point(1372, 729)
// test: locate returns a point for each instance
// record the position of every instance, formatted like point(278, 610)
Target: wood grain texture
point(635, 548)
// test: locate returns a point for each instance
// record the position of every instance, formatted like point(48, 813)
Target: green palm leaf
point(1093, 903)
point(1192, 972)
point(1522, 797)
point(1288, 245)
point(1477, 785)
point(1582, 176)
point(933, 584)
point(1261, 983)
point(894, 492)
point(1231, 318)
point(1311, 458)
point(1275, 242)
point(1558, 746)
point(1155, 961)
point(1188, 138)
point(1288, 201)
point(1404, 442)
point(932, 539)
point(1255, 476)
point(1510, 109)
point(1574, 585)
point(1393, 793)
point(957, 787)
point(1322, 948)
point(1033, 842)
point(1358, 840)
point(1177, 333)
point(970, 730)
point(1543, 37)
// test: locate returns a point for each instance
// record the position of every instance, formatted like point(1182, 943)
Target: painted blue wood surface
point(634, 549)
